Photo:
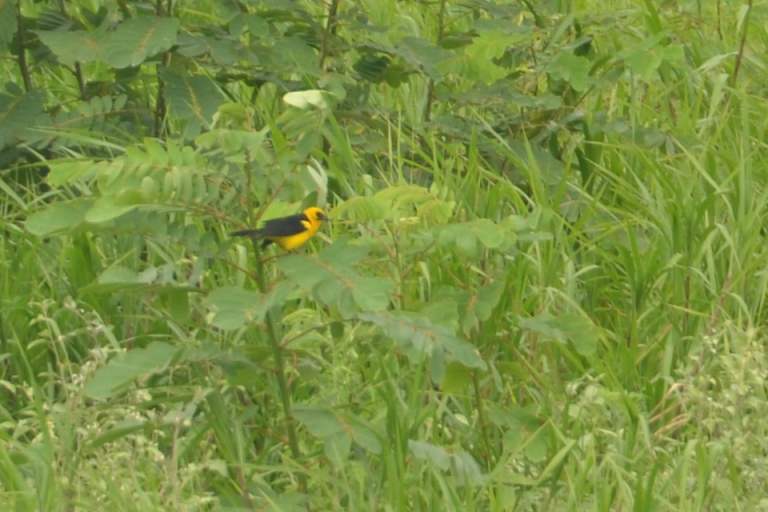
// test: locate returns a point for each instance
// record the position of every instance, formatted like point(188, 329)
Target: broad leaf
point(235, 307)
point(330, 276)
point(7, 22)
point(194, 99)
point(573, 69)
point(18, 113)
point(75, 46)
point(478, 307)
point(58, 217)
point(459, 463)
point(468, 237)
point(139, 38)
point(327, 423)
point(125, 368)
point(65, 172)
point(567, 327)
point(423, 338)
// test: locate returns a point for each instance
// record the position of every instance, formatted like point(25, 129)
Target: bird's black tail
point(256, 234)
point(252, 233)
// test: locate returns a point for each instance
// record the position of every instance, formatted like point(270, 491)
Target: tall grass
point(625, 350)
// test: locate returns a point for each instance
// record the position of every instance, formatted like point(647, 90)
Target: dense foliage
point(543, 286)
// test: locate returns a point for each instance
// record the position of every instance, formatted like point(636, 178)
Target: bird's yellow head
point(315, 215)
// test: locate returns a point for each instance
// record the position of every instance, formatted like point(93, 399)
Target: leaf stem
point(23, 66)
point(742, 43)
point(272, 320)
point(482, 420)
point(431, 83)
point(330, 30)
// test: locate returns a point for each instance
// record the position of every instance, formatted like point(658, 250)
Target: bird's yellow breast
point(292, 242)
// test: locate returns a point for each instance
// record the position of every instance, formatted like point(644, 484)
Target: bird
point(289, 232)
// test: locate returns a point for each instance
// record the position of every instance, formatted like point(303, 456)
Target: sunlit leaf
point(306, 99)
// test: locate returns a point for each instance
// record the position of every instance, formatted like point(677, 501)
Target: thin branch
point(23, 66)
point(719, 23)
point(330, 30)
point(743, 43)
point(78, 70)
point(272, 320)
point(431, 84)
point(161, 108)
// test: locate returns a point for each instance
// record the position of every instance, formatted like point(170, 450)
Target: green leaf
point(324, 422)
point(468, 236)
point(423, 55)
point(292, 54)
point(233, 141)
point(66, 172)
point(476, 62)
point(337, 447)
point(421, 336)
point(125, 368)
point(460, 463)
point(74, 46)
point(194, 99)
point(234, 307)
point(107, 208)
point(139, 38)
point(487, 299)
point(120, 430)
point(456, 379)
point(567, 327)
point(320, 421)
point(62, 216)
point(7, 22)
point(363, 435)
point(333, 281)
point(311, 98)
point(551, 170)
point(571, 68)
point(119, 278)
point(478, 308)
point(18, 113)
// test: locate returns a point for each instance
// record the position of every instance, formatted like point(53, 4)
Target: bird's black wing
point(284, 226)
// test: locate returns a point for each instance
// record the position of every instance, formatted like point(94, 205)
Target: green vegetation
point(544, 287)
